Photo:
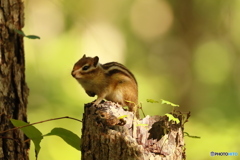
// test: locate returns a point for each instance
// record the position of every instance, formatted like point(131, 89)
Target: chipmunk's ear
point(84, 56)
point(95, 61)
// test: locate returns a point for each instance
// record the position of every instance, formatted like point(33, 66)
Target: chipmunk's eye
point(85, 68)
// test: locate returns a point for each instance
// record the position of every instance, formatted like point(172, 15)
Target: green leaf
point(152, 101)
point(172, 118)
point(126, 107)
point(27, 36)
point(32, 37)
point(68, 136)
point(121, 117)
point(31, 132)
point(19, 32)
point(170, 103)
point(130, 102)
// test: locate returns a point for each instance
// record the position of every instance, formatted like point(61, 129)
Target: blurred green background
point(186, 52)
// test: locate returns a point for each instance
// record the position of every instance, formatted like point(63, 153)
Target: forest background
point(186, 52)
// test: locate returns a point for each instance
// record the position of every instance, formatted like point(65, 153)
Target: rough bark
point(110, 133)
point(13, 89)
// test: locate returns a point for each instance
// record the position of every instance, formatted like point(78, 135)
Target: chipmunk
point(111, 81)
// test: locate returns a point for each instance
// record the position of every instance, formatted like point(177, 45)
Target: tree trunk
point(110, 133)
point(13, 88)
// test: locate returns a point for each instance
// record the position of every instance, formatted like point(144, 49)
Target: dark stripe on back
point(106, 66)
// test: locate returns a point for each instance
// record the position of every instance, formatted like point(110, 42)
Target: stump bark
point(111, 133)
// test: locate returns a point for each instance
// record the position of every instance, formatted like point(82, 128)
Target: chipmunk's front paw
point(96, 103)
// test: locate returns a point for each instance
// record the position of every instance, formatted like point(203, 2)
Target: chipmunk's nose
point(73, 73)
point(76, 73)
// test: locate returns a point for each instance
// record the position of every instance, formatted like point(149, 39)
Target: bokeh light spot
point(104, 40)
point(213, 62)
point(151, 18)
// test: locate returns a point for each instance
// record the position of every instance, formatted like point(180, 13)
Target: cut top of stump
point(111, 133)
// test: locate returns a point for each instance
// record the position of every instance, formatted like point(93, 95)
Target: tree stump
point(111, 133)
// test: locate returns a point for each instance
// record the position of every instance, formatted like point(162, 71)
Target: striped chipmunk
point(111, 81)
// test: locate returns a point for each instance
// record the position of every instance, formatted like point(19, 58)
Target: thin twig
point(31, 124)
point(141, 108)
